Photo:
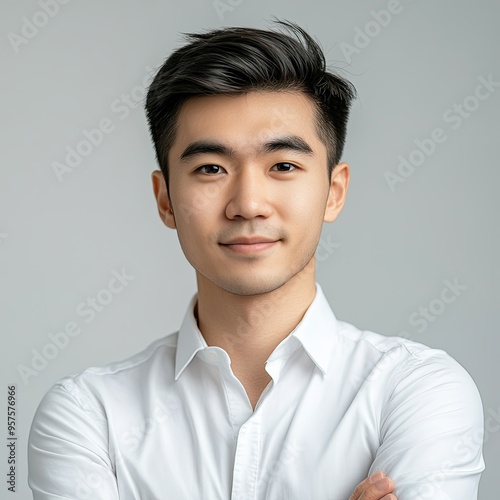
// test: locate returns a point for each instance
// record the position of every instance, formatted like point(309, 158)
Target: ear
point(163, 199)
point(337, 193)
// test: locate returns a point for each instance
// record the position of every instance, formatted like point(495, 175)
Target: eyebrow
point(289, 142)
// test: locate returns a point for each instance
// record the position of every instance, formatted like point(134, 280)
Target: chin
point(253, 282)
point(250, 287)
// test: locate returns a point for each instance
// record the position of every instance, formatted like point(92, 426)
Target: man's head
point(236, 60)
point(247, 186)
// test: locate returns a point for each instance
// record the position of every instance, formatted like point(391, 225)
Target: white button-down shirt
point(173, 422)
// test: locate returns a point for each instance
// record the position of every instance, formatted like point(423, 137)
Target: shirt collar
point(189, 340)
point(316, 332)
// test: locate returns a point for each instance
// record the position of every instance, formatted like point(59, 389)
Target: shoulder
point(406, 353)
point(430, 414)
point(351, 334)
point(407, 369)
point(89, 389)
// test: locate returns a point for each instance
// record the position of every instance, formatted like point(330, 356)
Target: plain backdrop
point(414, 223)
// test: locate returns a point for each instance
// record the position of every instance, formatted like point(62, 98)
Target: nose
point(249, 195)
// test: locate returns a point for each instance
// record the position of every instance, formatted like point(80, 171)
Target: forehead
point(246, 121)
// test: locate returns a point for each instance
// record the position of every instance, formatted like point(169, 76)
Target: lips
point(250, 245)
point(249, 240)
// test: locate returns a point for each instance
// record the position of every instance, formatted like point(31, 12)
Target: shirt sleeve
point(68, 449)
point(431, 431)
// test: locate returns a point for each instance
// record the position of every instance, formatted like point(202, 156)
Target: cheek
point(192, 239)
point(195, 206)
point(306, 206)
point(198, 218)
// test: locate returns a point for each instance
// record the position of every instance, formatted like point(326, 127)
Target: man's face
point(249, 217)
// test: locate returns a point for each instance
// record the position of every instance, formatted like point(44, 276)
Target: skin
point(376, 487)
point(249, 222)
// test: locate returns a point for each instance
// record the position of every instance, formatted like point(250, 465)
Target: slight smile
point(249, 245)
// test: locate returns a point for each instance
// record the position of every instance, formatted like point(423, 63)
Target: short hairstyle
point(237, 60)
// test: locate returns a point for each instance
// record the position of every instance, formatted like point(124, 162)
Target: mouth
point(250, 245)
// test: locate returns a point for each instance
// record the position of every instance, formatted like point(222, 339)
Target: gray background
point(388, 255)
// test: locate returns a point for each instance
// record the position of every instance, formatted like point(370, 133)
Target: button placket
point(247, 459)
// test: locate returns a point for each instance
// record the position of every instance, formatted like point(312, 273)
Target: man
point(263, 393)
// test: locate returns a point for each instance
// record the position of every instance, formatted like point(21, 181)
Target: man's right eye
point(209, 169)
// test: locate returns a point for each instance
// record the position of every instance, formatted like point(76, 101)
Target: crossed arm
point(431, 436)
point(425, 442)
point(376, 487)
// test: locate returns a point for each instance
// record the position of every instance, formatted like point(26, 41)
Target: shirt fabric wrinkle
point(173, 421)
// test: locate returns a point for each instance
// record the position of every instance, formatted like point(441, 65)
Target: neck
point(249, 327)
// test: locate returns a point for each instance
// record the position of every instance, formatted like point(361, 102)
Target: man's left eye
point(284, 167)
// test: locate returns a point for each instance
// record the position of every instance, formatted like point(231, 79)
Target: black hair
point(237, 60)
